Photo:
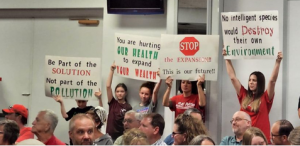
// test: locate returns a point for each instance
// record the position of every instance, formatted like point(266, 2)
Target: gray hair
point(51, 117)
point(294, 137)
point(137, 115)
point(199, 139)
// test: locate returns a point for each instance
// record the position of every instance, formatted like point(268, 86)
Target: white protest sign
point(188, 56)
point(250, 35)
point(136, 57)
point(72, 77)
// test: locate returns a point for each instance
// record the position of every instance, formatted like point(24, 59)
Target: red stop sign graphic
point(189, 46)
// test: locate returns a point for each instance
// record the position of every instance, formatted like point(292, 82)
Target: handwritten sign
point(72, 77)
point(250, 35)
point(136, 57)
point(188, 56)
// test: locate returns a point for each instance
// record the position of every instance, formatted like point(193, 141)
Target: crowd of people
point(141, 125)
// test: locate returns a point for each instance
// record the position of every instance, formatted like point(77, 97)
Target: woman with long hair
point(254, 136)
point(186, 128)
point(256, 101)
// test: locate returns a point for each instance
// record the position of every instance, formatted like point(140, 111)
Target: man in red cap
point(19, 114)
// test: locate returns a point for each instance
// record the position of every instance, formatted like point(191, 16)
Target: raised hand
point(169, 81)
point(279, 56)
point(98, 94)
point(57, 98)
point(113, 67)
point(201, 80)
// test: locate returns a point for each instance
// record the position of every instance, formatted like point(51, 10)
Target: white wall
point(189, 15)
point(291, 61)
point(243, 68)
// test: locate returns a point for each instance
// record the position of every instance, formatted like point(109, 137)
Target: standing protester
point(256, 101)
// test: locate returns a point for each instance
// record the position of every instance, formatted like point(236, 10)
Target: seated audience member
point(81, 130)
point(294, 137)
point(131, 120)
point(133, 133)
point(99, 117)
point(195, 113)
point(280, 132)
point(44, 126)
point(240, 122)
point(9, 132)
point(153, 126)
point(30, 142)
point(186, 128)
point(19, 114)
point(254, 136)
point(139, 141)
point(202, 140)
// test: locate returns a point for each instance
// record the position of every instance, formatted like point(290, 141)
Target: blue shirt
point(230, 140)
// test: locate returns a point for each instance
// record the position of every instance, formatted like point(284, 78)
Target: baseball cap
point(17, 108)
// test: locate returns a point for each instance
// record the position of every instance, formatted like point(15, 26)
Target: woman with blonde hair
point(254, 136)
point(186, 128)
point(134, 133)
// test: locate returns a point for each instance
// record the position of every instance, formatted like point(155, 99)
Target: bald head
point(243, 115)
point(241, 121)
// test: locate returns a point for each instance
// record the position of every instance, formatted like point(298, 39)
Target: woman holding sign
point(117, 107)
point(256, 101)
point(190, 97)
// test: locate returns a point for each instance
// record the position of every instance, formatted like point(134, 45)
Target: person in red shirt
point(191, 97)
point(256, 101)
point(19, 114)
point(44, 126)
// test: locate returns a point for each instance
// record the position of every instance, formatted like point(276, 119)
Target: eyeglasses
point(237, 120)
point(174, 133)
point(127, 120)
point(275, 135)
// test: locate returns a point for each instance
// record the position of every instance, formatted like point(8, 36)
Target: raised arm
point(108, 83)
point(202, 99)
point(58, 99)
point(99, 96)
point(230, 70)
point(271, 84)
point(166, 97)
point(155, 92)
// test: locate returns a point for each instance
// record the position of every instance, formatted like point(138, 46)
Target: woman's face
point(120, 93)
point(257, 140)
point(186, 86)
point(252, 82)
point(179, 138)
point(145, 94)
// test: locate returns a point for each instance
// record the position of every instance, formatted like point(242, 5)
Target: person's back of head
point(294, 137)
point(201, 139)
point(51, 118)
point(131, 134)
point(10, 131)
point(254, 136)
point(194, 113)
point(99, 116)
point(30, 142)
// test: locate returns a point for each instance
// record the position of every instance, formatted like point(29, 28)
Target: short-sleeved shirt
point(230, 140)
point(25, 133)
point(181, 103)
point(146, 109)
point(261, 118)
point(54, 141)
point(77, 110)
point(115, 118)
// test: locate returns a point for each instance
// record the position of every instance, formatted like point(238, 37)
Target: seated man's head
point(81, 130)
point(240, 122)
point(195, 113)
point(17, 112)
point(9, 132)
point(132, 119)
point(280, 132)
point(44, 123)
point(152, 125)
